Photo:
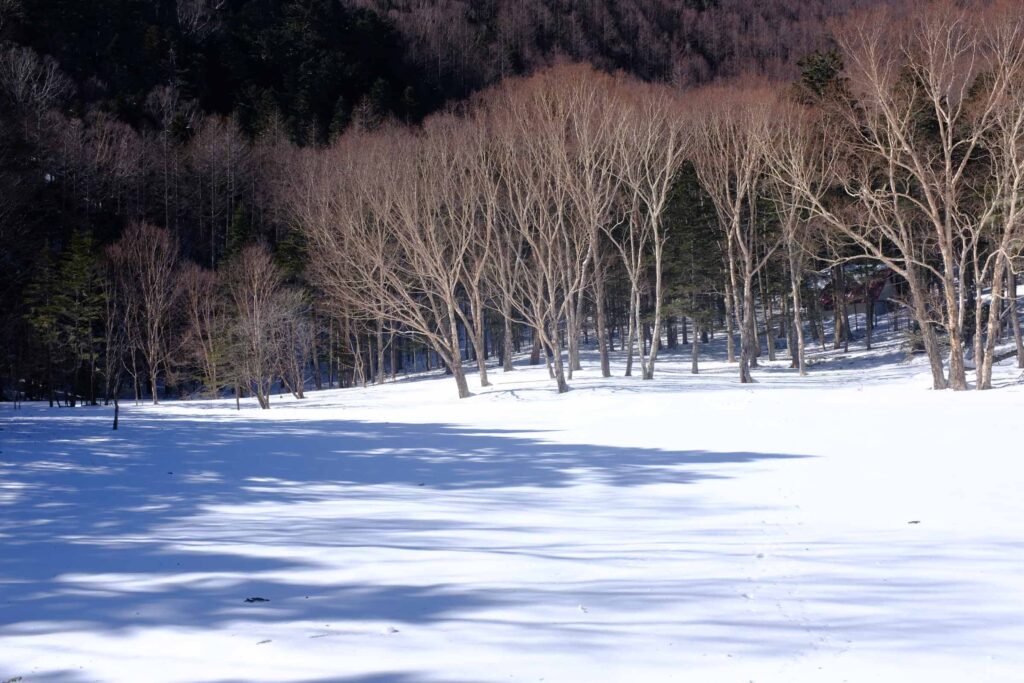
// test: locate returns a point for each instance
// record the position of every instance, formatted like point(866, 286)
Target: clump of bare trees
point(731, 125)
point(922, 143)
point(146, 261)
point(266, 328)
point(241, 326)
point(503, 207)
point(509, 205)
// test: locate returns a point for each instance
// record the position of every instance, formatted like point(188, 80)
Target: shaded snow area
point(849, 526)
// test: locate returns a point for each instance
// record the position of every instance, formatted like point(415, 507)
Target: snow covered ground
point(847, 526)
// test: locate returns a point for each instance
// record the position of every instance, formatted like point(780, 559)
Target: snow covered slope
point(847, 526)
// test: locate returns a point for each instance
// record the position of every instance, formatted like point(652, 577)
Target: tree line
point(460, 46)
point(174, 113)
point(568, 208)
point(902, 148)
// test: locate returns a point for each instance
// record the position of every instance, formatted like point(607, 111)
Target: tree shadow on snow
point(111, 532)
point(88, 511)
point(65, 676)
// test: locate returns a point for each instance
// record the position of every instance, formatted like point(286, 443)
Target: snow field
point(847, 526)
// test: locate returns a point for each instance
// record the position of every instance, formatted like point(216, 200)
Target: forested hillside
point(177, 113)
point(402, 185)
point(461, 45)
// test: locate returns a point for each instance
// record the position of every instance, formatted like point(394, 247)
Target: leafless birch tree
point(146, 259)
point(729, 127)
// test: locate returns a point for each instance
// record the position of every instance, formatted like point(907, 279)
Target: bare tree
point(460, 153)
point(198, 18)
point(207, 324)
point(528, 122)
point(380, 239)
point(1001, 225)
point(296, 338)
point(173, 114)
point(116, 336)
point(146, 259)
point(218, 159)
point(803, 165)
point(32, 82)
point(730, 124)
point(594, 181)
point(260, 312)
point(653, 141)
point(913, 181)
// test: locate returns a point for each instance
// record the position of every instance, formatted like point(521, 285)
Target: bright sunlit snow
point(848, 526)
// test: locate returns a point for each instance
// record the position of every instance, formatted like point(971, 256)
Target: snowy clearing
point(849, 526)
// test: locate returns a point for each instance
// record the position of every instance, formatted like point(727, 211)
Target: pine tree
point(239, 232)
point(820, 76)
point(694, 268)
point(42, 313)
point(79, 306)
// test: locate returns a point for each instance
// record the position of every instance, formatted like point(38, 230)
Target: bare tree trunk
point(928, 337)
point(839, 331)
point(289, 386)
point(548, 360)
point(630, 335)
point(694, 349)
point(769, 323)
point(506, 360)
point(980, 339)
point(152, 383)
point(984, 353)
point(556, 350)
point(656, 326)
point(730, 350)
point(786, 329)
point(798, 324)
point(92, 376)
point(535, 349)
point(570, 334)
point(378, 374)
point(747, 338)
point(135, 383)
point(1015, 318)
point(477, 340)
point(330, 354)
point(455, 355)
point(639, 332)
point(573, 324)
point(814, 310)
point(357, 361)
point(318, 382)
point(957, 369)
point(394, 356)
point(601, 326)
point(869, 316)
point(460, 378)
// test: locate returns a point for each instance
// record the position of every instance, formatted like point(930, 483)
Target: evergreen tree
point(43, 314)
point(239, 232)
point(694, 268)
point(79, 305)
point(820, 76)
